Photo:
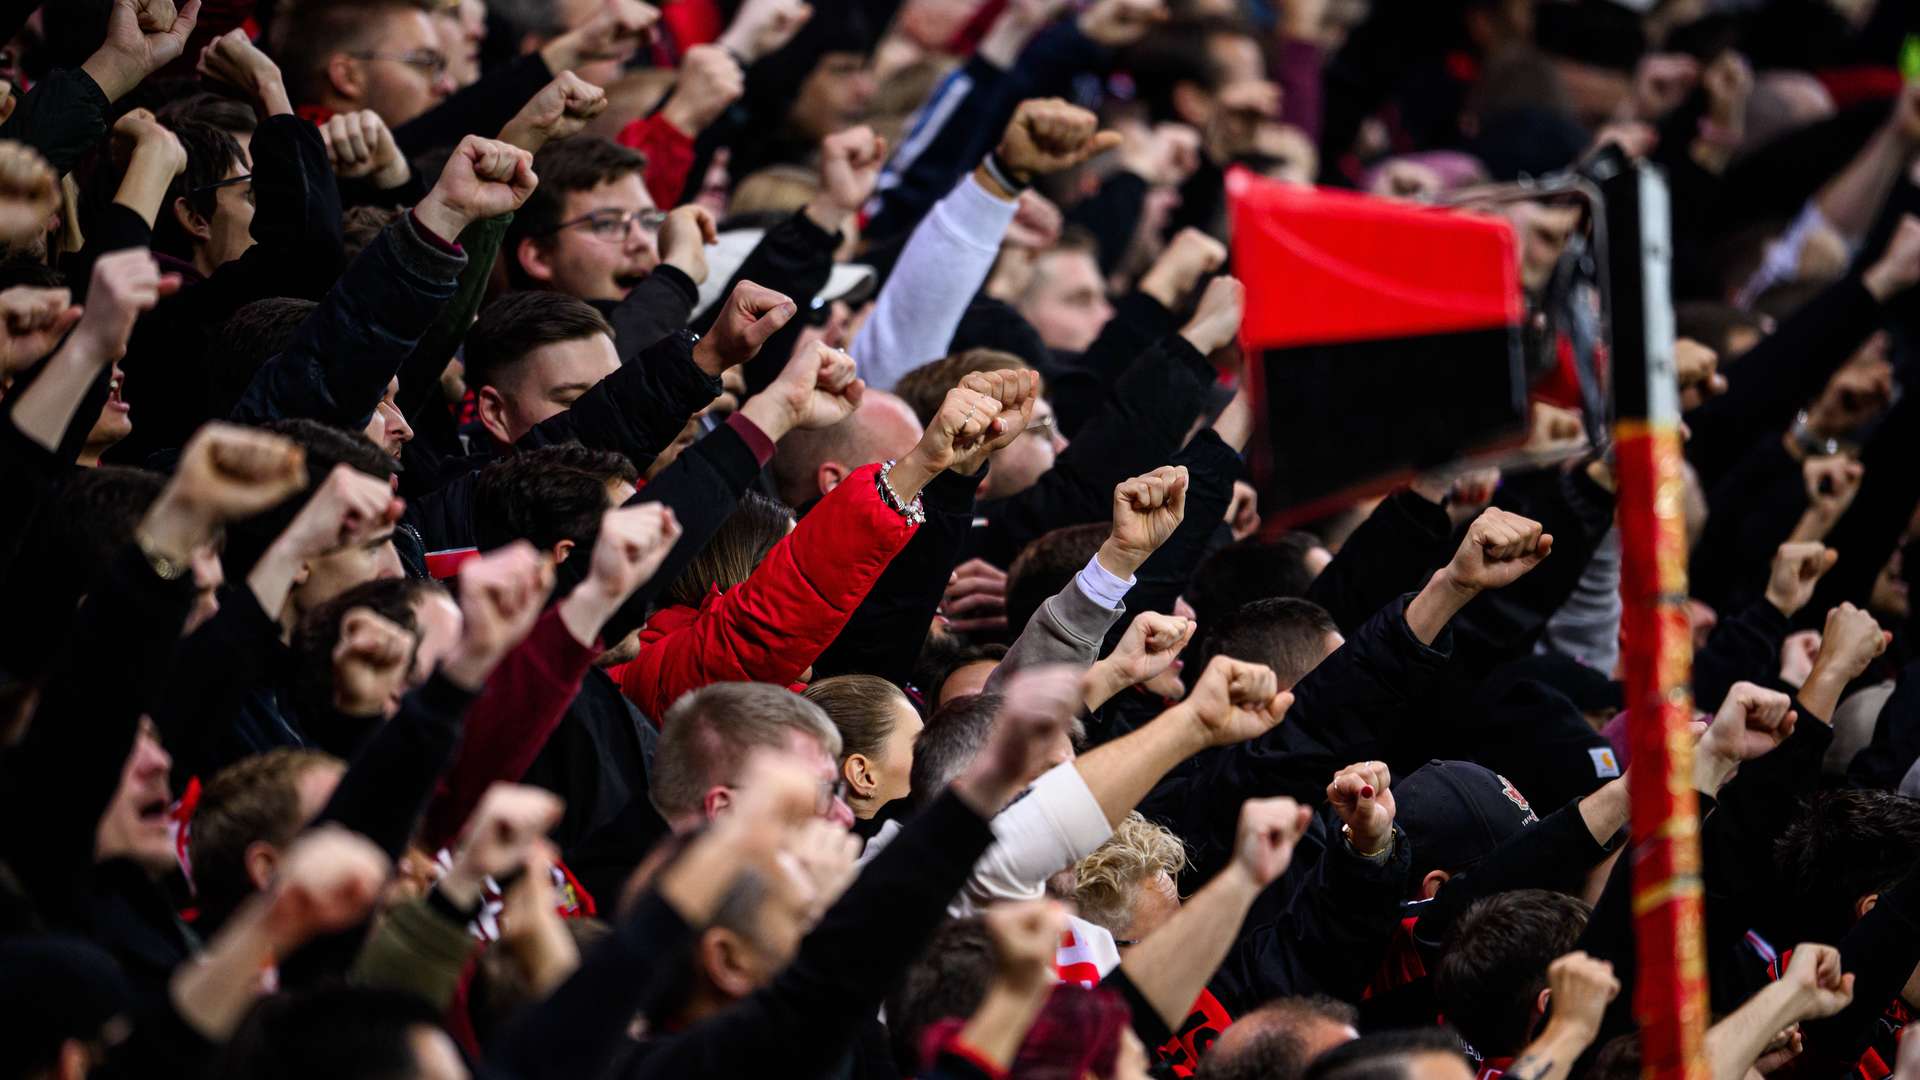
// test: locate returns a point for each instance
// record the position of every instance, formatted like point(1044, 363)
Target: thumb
point(763, 325)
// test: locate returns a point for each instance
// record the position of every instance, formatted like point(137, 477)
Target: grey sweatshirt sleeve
point(1068, 629)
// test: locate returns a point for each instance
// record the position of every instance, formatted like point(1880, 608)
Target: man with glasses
point(592, 231)
point(383, 55)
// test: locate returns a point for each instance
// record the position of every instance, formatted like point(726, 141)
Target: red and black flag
point(1383, 338)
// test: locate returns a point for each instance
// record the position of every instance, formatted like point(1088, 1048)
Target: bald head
point(1278, 1040)
point(809, 464)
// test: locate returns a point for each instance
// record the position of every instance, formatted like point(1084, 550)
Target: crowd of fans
point(571, 538)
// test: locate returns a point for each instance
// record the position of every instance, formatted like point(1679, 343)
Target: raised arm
point(1812, 987)
point(339, 363)
point(951, 252)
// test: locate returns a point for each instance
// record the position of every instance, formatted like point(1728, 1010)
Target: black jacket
point(298, 252)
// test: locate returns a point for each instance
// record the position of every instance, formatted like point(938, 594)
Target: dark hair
point(860, 706)
point(1178, 52)
point(330, 1032)
point(1619, 1059)
point(925, 387)
point(1287, 634)
point(211, 154)
point(580, 163)
point(1269, 1042)
point(738, 546)
point(942, 655)
point(325, 447)
point(948, 744)
point(1247, 571)
point(518, 323)
point(1712, 324)
point(307, 36)
point(1843, 846)
point(317, 635)
point(502, 987)
point(949, 980)
point(248, 339)
point(546, 495)
point(1383, 1055)
point(254, 799)
point(1045, 566)
point(360, 226)
point(230, 115)
point(1495, 964)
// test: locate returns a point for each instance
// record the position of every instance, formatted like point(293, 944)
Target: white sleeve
point(1057, 824)
point(945, 262)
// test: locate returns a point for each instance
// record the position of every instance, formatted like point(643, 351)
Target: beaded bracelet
point(914, 512)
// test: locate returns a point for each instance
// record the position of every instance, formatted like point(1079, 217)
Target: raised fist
point(1026, 934)
point(1235, 701)
point(328, 881)
point(752, 314)
point(1360, 796)
point(560, 110)
point(1752, 721)
point(1216, 322)
point(1269, 829)
point(34, 320)
point(1016, 391)
point(371, 661)
point(1579, 989)
point(228, 472)
point(633, 542)
point(1146, 511)
point(501, 595)
point(709, 81)
point(1048, 135)
point(347, 507)
point(484, 178)
point(684, 237)
point(1028, 735)
point(359, 144)
point(1797, 568)
point(1849, 642)
point(29, 192)
point(1119, 23)
point(1500, 547)
point(509, 821)
point(1191, 256)
point(1819, 985)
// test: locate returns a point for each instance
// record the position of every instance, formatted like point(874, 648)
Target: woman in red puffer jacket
point(766, 597)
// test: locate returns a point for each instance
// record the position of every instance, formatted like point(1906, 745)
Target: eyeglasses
point(206, 189)
point(831, 792)
point(613, 224)
point(428, 60)
point(1041, 427)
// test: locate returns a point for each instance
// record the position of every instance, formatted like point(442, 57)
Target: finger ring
point(969, 418)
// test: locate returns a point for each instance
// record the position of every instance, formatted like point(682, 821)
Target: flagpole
point(1670, 997)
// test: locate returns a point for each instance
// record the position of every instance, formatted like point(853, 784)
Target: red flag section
point(1383, 338)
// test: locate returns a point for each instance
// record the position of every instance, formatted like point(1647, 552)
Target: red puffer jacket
point(773, 626)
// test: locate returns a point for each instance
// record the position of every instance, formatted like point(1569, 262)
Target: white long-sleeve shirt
point(945, 262)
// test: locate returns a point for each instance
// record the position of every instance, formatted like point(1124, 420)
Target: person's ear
point(561, 550)
point(491, 405)
point(535, 260)
point(190, 220)
point(1430, 885)
point(859, 773)
point(261, 859)
point(728, 961)
point(1191, 104)
point(345, 77)
point(1865, 904)
point(829, 476)
point(716, 802)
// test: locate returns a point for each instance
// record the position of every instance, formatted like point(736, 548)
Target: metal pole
point(1670, 998)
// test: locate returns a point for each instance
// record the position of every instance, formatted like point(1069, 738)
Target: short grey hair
point(708, 733)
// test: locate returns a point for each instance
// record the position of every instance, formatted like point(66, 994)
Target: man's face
point(409, 75)
point(545, 384)
point(116, 417)
point(388, 427)
point(595, 256)
point(1021, 463)
point(833, 97)
point(1067, 302)
point(462, 29)
point(331, 574)
point(136, 825)
point(230, 227)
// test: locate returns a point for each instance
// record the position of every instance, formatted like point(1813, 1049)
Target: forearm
point(943, 266)
point(46, 407)
point(1173, 964)
point(215, 990)
point(1551, 1056)
point(999, 1026)
point(1734, 1044)
point(272, 578)
point(1851, 199)
point(1435, 606)
point(144, 189)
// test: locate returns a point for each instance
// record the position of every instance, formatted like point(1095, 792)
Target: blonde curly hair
point(1109, 878)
